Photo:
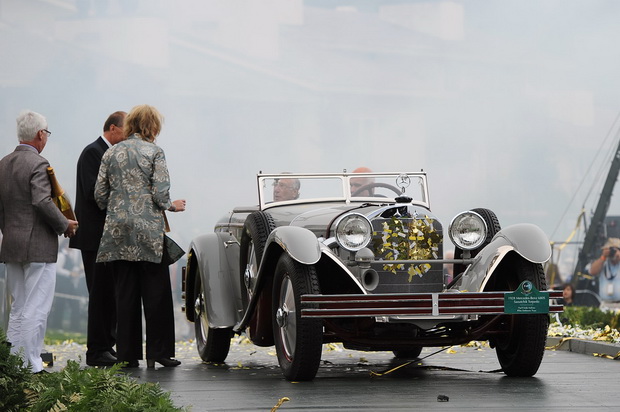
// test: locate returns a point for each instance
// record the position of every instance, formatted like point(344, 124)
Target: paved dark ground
point(466, 377)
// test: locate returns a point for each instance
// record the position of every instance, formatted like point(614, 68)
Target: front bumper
point(414, 305)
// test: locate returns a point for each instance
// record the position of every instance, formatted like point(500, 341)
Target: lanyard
point(609, 274)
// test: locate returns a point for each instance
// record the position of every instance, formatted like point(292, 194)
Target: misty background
point(508, 105)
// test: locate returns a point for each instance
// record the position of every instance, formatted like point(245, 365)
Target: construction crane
point(596, 233)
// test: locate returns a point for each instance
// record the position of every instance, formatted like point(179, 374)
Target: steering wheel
point(373, 185)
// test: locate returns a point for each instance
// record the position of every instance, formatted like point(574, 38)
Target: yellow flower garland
point(410, 239)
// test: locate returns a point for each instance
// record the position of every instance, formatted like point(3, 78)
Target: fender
point(303, 246)
point(344, 271)
point(300, 243)
point(527, 240)
point(217, 258)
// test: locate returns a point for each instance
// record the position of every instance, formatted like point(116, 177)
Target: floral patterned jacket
point(133, 184)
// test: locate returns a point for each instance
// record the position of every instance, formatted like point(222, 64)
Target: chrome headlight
point(353, 232)
point(468, 230)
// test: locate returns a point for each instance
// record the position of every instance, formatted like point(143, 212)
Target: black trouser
point(101, 330)
point(148, 283)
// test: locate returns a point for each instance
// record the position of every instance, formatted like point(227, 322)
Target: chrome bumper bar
point(411, 304)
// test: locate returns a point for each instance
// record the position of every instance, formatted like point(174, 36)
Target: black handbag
point(172, 251)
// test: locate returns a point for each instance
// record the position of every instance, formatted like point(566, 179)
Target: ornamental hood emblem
point(403, 181)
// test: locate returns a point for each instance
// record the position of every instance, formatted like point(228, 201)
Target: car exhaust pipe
point(370, 279)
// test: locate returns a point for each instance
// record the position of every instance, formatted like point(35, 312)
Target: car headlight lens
point(353, 232)
point(468, 230)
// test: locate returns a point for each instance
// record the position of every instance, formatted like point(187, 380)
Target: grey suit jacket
point(29, 219)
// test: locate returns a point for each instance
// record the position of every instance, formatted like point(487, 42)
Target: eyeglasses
point(48, 132)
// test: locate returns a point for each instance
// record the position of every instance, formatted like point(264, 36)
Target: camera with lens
point(612, 251)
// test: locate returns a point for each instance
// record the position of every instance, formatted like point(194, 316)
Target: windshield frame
point(265, 201)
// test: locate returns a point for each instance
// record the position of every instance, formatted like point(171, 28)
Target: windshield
point(285, 188)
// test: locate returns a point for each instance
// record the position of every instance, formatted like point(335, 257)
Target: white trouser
point(32, 288)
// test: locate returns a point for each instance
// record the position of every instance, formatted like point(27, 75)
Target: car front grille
point(407, 238)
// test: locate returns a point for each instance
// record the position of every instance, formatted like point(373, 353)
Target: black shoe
point(129, 364)
point(41, 372)
point(166, 362)
point(102, 359)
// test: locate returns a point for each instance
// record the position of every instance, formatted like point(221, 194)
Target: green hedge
point(587, 317)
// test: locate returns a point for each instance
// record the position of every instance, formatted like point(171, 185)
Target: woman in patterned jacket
point(134, 185)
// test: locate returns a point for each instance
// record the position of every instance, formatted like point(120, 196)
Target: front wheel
point(298, 340)
point(521, 349)
point(213, 344)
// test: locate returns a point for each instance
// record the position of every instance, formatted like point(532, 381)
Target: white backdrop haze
point(505, 104)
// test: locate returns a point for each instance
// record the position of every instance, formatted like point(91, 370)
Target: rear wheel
point(213, 344)
point(521, 348)
point(298, 340)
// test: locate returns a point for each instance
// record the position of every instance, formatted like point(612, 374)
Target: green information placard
point(526, 299)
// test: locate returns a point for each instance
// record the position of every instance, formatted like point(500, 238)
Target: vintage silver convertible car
point(358, 259)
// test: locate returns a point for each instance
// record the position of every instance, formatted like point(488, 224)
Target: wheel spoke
point(291, 324)
point(288, 326)
point(250, 271)
point(202, 317)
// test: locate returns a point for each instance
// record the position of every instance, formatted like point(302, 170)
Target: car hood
point(316, 218)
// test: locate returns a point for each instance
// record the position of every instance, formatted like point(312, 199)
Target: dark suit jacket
point(30, 221)
point(87, 212)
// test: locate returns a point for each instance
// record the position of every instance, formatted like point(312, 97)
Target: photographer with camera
point(607, 268)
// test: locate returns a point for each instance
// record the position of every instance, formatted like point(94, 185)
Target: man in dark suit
point(101, 329)
point(30, 222)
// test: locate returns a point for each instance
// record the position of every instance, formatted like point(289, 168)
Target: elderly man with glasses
point(286, 189)
point(31, 223)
